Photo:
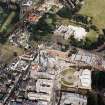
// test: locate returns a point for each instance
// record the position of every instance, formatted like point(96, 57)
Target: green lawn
point(7, 21)
point(3, 16)
point(92, 35)
point(96, 9)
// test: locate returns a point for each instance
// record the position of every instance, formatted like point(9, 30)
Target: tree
point(87, 43)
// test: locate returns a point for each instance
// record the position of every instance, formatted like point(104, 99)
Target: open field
point(96, 9)
point(7, 52)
